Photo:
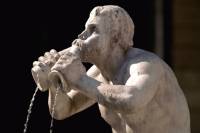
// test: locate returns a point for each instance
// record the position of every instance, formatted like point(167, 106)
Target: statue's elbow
point(59, 115)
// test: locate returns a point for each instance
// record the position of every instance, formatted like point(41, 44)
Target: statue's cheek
point(92, 40)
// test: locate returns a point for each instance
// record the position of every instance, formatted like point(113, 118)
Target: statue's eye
point(92, 28)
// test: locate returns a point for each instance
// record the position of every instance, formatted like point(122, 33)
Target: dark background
point(34, 28)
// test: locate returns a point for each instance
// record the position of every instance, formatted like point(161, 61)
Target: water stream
point(53, 111)
point(29, 110)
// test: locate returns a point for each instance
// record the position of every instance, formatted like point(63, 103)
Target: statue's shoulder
point(142, 61)
point(136, 55)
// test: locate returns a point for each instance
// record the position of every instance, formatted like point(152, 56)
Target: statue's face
point(95, 37)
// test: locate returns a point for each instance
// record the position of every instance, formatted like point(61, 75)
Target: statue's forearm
point(68, 104)
point(114, 96)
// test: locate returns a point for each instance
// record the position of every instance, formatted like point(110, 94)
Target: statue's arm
point(72, 102)
point(136, 93)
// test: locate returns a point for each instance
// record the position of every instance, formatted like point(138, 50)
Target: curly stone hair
point(121, 25)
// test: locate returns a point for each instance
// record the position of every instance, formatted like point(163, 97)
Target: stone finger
point(36, 63)
point(53, 52)
point(41, 59)
point(36, 70)
point(47, 54)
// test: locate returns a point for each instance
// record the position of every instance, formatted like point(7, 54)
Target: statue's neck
point(111, 63)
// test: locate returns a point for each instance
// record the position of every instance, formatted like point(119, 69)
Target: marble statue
point(137, 92)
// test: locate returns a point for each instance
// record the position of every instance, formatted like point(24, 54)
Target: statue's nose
point(83, 35)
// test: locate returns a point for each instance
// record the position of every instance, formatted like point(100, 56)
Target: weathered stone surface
point(136, 91)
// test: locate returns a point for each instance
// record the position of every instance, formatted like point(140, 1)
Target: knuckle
point(53, 51)
point(41, 58)
point(36, 69)
point(54, 55)
point(35, 63)
point(46, 54)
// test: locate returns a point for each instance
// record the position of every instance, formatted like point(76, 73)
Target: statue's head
point(107, 27)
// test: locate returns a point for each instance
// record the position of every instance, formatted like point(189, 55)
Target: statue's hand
point(71, 67)
point(42, 67)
